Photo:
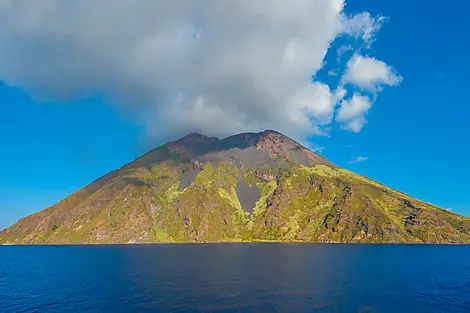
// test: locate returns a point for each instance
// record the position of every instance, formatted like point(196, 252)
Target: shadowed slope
point(266, 149)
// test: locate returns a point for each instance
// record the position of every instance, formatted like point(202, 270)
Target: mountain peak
point(193, 135)
point(196, 138)
point(263, 149)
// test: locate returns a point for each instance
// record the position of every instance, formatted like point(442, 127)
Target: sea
point(236, 277)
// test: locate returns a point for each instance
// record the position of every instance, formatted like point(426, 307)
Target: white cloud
point(332, 73)
point(364, 26)
point(359, 159)
point(351, 113)
point(339, 94)
point(217, 67)
point(314, 101)
point(315, 148)
point(319, 150)
point(369, 74)
point(342, 50)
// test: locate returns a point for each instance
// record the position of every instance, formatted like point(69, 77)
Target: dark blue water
point(235, 278)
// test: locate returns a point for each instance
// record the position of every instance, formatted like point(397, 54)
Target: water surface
point(235, 278)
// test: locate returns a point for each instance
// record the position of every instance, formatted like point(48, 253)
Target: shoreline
point(239, 242)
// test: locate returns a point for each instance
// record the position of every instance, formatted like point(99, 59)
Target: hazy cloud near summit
point(358, 159)
point(217, 67)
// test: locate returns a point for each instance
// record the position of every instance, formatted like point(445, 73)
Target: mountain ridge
point(246, 187)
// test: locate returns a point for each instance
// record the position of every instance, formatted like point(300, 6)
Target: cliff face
point(248, 187)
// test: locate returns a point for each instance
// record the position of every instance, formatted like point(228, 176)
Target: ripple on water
point(235, 278)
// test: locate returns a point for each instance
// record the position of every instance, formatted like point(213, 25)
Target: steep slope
point(248, 187)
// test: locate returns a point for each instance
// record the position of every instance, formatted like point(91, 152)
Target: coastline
point(242, 242)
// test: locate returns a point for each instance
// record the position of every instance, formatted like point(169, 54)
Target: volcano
point(247, 187)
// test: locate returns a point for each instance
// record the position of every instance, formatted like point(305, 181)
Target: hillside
point(248, 187)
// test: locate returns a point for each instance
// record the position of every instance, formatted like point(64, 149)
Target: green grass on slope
point(307, 204)
point(406, 219)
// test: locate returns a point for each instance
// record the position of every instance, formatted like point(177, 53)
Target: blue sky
point(415, 138)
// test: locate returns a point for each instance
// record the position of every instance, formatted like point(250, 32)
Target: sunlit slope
point(296, 203)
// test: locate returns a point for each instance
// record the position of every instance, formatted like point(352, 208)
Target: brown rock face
point(281, 146)
point(276, 145)
point(247, 150)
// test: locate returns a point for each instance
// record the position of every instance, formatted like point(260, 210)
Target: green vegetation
point(142, 202)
